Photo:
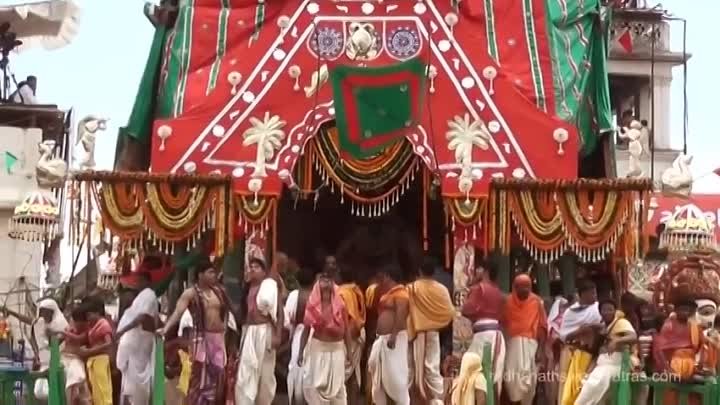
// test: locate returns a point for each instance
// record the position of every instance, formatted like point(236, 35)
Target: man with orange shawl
point(677, 346)
point(388, 362)
point(431, 309)
point(354, 301)
point(323, 345)
point(526, 327)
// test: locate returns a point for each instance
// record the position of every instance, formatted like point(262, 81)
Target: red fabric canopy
point(263, 52)
point(664, 208)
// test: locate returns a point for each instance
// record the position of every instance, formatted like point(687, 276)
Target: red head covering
point(316, 318)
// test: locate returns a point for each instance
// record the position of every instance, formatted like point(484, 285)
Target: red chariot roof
point(243, 61)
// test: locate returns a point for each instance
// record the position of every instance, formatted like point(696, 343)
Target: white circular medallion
point(218, 131)
point(518, 173)
point(279, 54)
point(494, 126)
point(477, 174)
point(444, 45)
point(238, 172)
point(313, 8)
point(190, 167)
point(511, 42)
point(367, 8)
point(255, 185)
point(468, 82)
point(295, 149)
point(419, 8)
point(248, 97)
point(331, 111)
point(420, 149)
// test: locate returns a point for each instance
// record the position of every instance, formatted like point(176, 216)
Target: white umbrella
point(48, 24)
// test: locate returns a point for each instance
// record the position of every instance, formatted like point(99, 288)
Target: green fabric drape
point(56, 382)
point(141, 119)
point(579, 46)
point(158, 390)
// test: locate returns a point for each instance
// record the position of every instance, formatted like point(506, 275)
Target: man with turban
point(525, 325)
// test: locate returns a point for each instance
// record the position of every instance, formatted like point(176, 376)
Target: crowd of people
point(223, 352)
point(572, 355)
point(380, 344)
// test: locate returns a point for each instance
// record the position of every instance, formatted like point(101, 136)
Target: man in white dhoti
point(484, 306)
point(431, 309)
point(578, 331)
point(619, 334)
point(262, 332)
point(136, 347)
point(526, 327)
point(323, 348)
point(51, 322)
point(388, 363)
point(294, 314)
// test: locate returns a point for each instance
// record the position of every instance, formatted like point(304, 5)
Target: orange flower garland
point(588, 217)
point(161, 209)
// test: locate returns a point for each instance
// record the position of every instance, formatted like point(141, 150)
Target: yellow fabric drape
point(370, 295)
point(355, 304)
point(186, 364)
point(98, 368)
point(469, 380)
point(579, 364)
point(431, 307)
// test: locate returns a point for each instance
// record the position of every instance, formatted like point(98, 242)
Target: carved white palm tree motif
point(267, 135)
point(463, 135)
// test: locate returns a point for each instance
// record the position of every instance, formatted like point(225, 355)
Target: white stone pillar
point(661, 126)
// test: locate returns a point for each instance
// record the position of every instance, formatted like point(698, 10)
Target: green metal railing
point(56, 380)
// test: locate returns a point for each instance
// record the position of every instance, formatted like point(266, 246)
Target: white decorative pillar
point(661, 126)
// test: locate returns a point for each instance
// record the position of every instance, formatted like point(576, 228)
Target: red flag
point(625, 40)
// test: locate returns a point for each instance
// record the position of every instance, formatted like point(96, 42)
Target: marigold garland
point(138, 207)
point(589, 217)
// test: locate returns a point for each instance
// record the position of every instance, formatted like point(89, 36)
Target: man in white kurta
point(256, 382)
point(136, 348)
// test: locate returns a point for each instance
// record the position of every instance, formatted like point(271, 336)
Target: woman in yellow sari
point(470, 386)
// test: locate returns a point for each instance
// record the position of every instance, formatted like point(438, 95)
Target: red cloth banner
point(664, 208)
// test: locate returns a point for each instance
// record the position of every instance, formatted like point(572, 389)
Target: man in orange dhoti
point(431, 309)
point(677, 346)
point(525, 325)
point(354, 300)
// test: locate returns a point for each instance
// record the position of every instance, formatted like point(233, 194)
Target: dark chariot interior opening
point(319, 221)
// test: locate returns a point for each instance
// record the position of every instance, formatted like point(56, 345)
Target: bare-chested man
point(209, 307)
point(294, 315)
point(262, 333)
point(388, 362)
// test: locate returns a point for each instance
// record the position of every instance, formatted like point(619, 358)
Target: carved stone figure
point(50, 171)
point(677, 180)
point(362, 44)
point(87, 130)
